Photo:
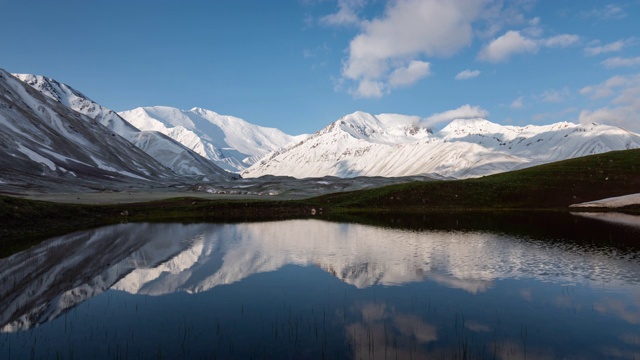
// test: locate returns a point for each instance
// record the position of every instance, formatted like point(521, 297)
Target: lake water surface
point(316, 289)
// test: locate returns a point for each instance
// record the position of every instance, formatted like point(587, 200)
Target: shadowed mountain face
point(170, 153)
point(41, 138)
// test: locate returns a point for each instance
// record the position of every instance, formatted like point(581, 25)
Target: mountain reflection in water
point(41, 284)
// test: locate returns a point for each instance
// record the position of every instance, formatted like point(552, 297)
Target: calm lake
point(448, 286)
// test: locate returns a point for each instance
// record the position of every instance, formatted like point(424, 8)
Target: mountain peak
point(477, 127)
point(471, 123)
point(230, 142)
point(203, 112)
point(53, 89)
point(388, 129)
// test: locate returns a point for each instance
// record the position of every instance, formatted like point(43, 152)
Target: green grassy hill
point(550, 186)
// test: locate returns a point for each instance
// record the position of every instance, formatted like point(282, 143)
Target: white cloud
point(506, 45)
point(513, 42)
point(619, 116)
point(616, 62)
point(407, 31)
point(609, 12)
point(607, 48)
point(498, 15)
point(463, 112)
point(535, 21)
point(369, 89)
point(605, 89)
point(347, 13)
point(623, 110)
point(467, 74)
point(408, 75)
point(563, 41)
point(556, 116)
point(554, 96)
point(517, 103)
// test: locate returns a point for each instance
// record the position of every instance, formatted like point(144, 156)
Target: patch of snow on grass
point(614, 202)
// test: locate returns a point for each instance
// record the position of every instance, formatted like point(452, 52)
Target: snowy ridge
point(390, 129)
point(390, 145)
point(232, 143)
point(42, 138)
point(542, 143)
point(165, 150)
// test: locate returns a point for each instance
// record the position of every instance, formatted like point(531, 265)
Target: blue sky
point(300, 64)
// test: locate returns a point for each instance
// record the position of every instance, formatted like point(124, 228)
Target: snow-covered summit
point(75, 100)
point(390, 129)
point(232, 143)
point(459, 128)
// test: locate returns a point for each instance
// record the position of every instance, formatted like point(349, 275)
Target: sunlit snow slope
point(165, 150)
point(232, 143)
point(392, 145)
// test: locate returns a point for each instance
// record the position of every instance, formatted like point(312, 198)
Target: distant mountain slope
point(389, 145)
point(165, 150)
point(542, 144)
point(40, 138)
point(232, 143)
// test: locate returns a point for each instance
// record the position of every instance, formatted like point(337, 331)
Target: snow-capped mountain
point(41, 138)
point(202, 143)
point(232, 143)
point(541, 144)
point(165, 150)
point(391, 145)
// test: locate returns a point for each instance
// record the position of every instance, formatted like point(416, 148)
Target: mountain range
point(52, 135)
point(362, 144)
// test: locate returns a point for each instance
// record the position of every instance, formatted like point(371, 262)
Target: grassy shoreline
point(551, 187)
